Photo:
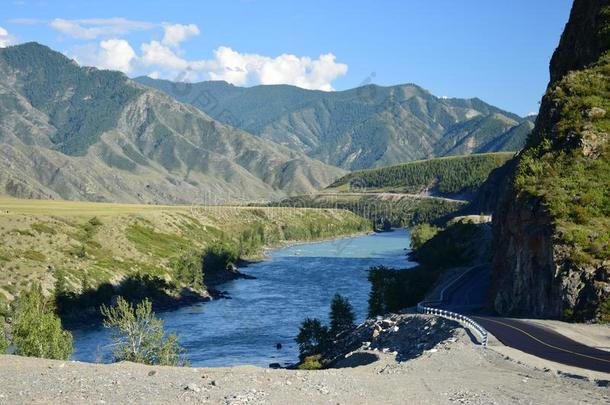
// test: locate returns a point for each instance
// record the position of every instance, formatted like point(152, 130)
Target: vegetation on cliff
point(560, 187)
point(570, 168)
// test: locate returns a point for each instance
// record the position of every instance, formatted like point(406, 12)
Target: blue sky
point(497, 51)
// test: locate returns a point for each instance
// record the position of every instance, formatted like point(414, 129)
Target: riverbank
point(91, 244)
point(296, 282)
point(452, 371)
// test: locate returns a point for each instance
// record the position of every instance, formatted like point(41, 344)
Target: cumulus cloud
point(164, 58)
point(5, 38)
point(112, 54)
point(174, 34)
point(249, 69)
point(96, 27)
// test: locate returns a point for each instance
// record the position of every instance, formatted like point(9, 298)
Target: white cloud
point(95, 27)
point(177, 33)
point(165, 59)
point(6, 39)
point(112, 54)
point(250, 69)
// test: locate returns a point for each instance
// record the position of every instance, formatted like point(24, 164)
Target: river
point(293, 283)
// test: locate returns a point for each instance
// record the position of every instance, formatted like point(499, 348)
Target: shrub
point(220, 255)
point(312, 338)
point(341, 315)
point(420, 234)
point(311, 363)
point(37, 331)
point(140, 337)
point(3, 341)
point(188, 269)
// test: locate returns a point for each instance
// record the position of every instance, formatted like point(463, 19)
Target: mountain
point(552, 223)
point(361, 128)
point(81, 133)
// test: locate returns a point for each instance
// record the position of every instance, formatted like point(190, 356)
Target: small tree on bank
point(37, 330)
point(341, 315)
point(140, 337)
point(3, 341)
point(313, 338)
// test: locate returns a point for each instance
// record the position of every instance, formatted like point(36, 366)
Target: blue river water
point(293, 283)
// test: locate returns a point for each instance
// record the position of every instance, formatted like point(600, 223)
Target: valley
point(247, 225)
point(92, 244)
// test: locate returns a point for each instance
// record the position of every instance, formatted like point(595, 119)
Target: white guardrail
point(427, 307)
point(423, 308)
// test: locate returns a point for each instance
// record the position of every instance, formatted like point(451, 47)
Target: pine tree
point(341, 315)
point(312, 338)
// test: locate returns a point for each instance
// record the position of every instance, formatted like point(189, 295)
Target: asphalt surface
point(468, 297)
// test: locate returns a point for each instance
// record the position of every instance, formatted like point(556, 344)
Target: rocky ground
point(442, 366)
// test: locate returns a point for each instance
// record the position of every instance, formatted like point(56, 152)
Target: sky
point(497, 51)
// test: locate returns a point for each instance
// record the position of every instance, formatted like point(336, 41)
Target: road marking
point(544, 343)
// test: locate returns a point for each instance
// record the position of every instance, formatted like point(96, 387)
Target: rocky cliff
point(551, 225)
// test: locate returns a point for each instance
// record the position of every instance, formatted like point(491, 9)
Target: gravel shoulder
point(452, 371)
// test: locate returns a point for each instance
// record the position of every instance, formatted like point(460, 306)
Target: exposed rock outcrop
point(536, 269)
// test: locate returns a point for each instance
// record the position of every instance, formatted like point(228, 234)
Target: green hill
point(361, 128)
point(459, 175)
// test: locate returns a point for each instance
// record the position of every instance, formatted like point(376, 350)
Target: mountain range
point(80, 133)
point(361, 128)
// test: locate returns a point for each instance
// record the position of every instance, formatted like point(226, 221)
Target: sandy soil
point(455, 371)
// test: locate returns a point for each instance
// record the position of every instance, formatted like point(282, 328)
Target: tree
point(422, 233)
point(3, 341)
point(188, 269)
point(341, 315)
point(37, 331)
point(140, 336)
point(313, 338)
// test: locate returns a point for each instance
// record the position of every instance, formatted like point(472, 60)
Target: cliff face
point(551, 225)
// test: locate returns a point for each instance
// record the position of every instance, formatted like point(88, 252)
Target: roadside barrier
point(423, 308)
point(428, 307)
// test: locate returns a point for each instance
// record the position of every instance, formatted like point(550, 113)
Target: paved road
point(545, 343)
point(468, 297)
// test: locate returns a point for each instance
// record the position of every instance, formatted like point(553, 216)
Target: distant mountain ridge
point(366, 127)
point(82, 133)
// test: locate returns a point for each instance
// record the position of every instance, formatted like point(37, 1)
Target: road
point(468, 297)
point(389, 195)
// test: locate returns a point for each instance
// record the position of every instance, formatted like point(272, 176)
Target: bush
point(37, 331)
point(140, 337)
point(420, 234)
point(3, 341)
point(311, 363)
point(313, 338)
point(188, 269)
point(341, 315)
point(220, 255)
